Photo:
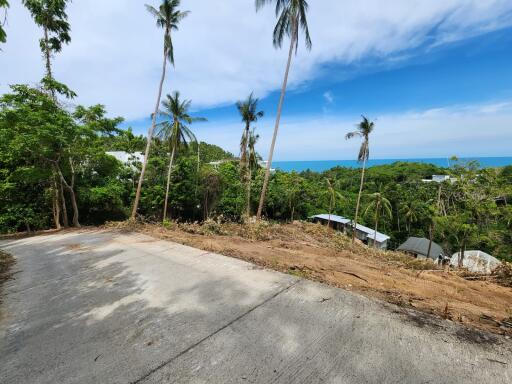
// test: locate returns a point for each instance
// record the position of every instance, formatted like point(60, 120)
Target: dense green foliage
point(40, 140)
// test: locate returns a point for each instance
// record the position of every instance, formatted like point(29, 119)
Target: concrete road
point(103, 307)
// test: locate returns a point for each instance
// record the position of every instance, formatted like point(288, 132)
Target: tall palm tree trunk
point(358, 201)
point(432, 224)
point(249, 179)
point(169, 171)
point(276, 128)
point(150, 136)
point(247, 170)
point(376, 225)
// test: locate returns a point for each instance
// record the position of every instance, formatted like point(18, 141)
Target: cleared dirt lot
point(95, 306)
point(314, 252)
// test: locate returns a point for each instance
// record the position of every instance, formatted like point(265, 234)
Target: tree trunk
point(246, 169)
point(431, 236)
point(65, 220)
point(376, 225)
point(432, 224)
point(249, 180)
point(48, 63)
point(150, 136)
point(276, 128)
point(76, 224)
point(461, 256)
point(55, 204)
point(71, 191)
point(169, 171)
point(358, 202)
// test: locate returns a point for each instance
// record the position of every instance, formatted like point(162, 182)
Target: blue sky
point(435, 76)
point(475, 70)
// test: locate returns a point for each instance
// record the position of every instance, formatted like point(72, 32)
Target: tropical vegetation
point(58, 166)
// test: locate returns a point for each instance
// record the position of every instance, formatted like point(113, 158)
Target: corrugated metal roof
point(335, 218)
point(419, 245)
point(381, 237)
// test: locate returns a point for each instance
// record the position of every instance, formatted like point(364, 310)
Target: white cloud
point(223, 49)
point(465, 131)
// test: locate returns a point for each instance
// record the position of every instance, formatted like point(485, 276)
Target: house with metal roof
point(418, 247)
point(366, 235)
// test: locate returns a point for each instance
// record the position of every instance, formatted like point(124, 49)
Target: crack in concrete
point(162, 365)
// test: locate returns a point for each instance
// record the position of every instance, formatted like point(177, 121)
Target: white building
point(127, 158)
point(365, 234)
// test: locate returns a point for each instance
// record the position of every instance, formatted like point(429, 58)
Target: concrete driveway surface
point(106, 307)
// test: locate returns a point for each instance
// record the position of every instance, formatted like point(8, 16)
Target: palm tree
point(333, 197)
point(364, 128)
point(252, 164)
point(175, 132)
point(380, 205)
point(410, 210)
point(248, 110)
point(167, 17)
point(291, 14)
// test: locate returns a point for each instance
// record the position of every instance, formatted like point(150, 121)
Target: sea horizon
point(324, 165)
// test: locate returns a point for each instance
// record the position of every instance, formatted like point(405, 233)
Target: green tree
point(364, 129)
point(380, 205)
point(458, 231)
point(37, 129)
point(168, 17)
point(51, 16)
point(174, 131)
point(291, 16)
point(248, 110)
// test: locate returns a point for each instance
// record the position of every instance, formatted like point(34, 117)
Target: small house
point(366, 235)
point(418, 247)
point(439, 179)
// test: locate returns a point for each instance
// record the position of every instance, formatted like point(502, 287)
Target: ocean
point(324, 165)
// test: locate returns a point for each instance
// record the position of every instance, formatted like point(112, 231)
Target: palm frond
point(351, 135)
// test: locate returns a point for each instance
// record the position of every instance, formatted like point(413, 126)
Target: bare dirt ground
point(6, 263)
point(317, 253)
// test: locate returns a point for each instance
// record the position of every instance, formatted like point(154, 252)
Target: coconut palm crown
point(168, 17)
point(173, 128)
point(291, 14)
point(364, 128)
point(249, 112)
